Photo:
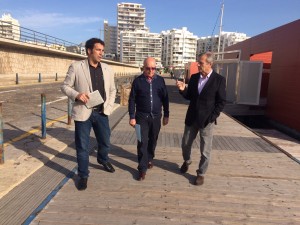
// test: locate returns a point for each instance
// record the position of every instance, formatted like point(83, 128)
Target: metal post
point(40, 78)
point(220, 32)
point(43, 115)
point(56, 77)
point(1, 136)
point(17, 78)
point(69, 111)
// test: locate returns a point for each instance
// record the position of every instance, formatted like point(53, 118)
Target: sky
point(76, 21)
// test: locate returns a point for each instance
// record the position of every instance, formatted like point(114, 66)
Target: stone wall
point(29, 60)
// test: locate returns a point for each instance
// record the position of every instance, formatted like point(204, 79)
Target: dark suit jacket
point(206, 107)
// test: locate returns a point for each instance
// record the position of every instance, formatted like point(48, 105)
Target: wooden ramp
point(26, 198)
point(248, 181)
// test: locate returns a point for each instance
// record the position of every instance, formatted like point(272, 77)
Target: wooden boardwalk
point(248, 181)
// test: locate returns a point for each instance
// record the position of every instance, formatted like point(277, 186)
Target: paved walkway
point(249, 181)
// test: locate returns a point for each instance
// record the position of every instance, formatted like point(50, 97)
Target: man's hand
point(132, 122)
point(83, 97)
point(165, 121)
point(180, 84)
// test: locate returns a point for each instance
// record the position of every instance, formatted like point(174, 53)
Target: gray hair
point(209, 57)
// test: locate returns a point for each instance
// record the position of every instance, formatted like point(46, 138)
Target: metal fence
point(25, 35)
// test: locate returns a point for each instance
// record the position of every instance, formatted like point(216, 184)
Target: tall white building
point(110, 39)
point(179, 47)
point(210, 43)
point(9, 27)
point(138, 45)
point(131, 17)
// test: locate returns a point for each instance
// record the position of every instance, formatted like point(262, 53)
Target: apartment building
point(211, 43)
point(139, 44)
point(9, 27)
point(179, 47)
point(131, 17)
point(110, 39)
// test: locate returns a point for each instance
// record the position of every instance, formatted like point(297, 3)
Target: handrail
point(22, 34)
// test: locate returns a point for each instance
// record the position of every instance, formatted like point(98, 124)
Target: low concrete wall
point(29, 60)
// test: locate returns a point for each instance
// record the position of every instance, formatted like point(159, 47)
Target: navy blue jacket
point(148, 98)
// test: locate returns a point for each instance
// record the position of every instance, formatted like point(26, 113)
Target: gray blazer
point(78, 80)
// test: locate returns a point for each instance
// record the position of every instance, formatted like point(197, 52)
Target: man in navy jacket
point(147, 97)
point(207, 95)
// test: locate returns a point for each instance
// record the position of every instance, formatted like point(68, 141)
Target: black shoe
point(185, 167)
point(82, 184)
point(107, 166)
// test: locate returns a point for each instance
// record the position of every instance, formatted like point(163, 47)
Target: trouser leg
point(142, 145)
point(155, 126)
point(82, 139)
point(206, 138)
point(102, 133)
point(189, 135)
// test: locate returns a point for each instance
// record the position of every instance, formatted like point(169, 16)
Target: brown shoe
point(150, 165)
point(185, 167)
point(141, 176)
point(199, 180)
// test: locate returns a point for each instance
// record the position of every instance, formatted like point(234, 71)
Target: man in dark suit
point(207, 95)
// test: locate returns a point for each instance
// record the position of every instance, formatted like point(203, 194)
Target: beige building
point(138, 45)
point(210, 43)
point(178, 47)
point(9, 27)
point(131, 17)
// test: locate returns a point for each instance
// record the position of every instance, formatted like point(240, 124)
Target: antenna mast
point(220, 32)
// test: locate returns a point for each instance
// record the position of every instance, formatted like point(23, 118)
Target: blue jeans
point(206, 138)
point(100, 125)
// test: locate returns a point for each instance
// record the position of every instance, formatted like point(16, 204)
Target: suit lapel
point(196, 84)
point(86, 71)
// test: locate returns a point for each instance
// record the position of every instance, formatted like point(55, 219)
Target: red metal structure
point(279, 49)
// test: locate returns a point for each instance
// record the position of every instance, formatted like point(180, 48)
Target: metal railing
point(25, 35)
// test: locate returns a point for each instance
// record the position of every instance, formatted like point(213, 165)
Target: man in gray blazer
point(83, 78)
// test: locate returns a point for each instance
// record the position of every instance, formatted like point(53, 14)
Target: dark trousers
point(150, 127)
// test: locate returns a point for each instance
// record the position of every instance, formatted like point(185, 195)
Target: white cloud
point(37, 20)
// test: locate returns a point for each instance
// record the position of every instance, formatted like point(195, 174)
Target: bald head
point(149, 67)
point(149, 60)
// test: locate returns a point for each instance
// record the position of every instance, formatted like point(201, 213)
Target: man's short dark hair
point(89, 44)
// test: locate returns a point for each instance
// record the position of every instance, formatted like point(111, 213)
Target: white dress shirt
point(202, 81)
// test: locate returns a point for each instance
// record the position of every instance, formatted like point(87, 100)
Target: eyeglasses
point(150, 68)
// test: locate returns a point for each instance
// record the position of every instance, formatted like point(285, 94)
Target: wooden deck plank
point(248, 182)
point(21, 201)
point(240, 189)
